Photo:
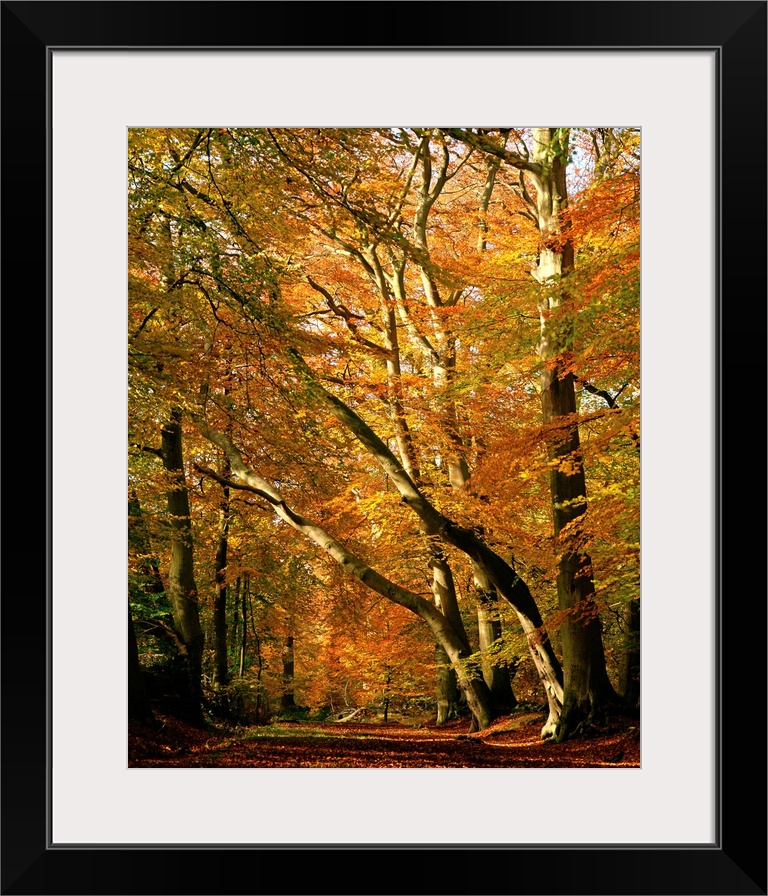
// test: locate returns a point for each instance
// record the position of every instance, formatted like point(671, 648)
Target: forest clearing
point(384, 446)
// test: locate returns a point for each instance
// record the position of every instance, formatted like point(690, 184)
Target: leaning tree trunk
point(586, 687)
point(182, 589)
point(443, 587)
point(480, 702)
point(391, 292)
point(505, 580)
point(475, 689)
point(441, 360)
point(497, 676)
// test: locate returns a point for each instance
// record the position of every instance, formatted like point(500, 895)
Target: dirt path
point(512, 742)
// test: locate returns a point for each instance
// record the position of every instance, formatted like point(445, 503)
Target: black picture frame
point(736, 863)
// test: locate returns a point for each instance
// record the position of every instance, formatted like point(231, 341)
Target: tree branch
point(341, 311)
point(480, 142)
point(609, 399)
point(158, 452)
point(143, 324)
point(353, 565)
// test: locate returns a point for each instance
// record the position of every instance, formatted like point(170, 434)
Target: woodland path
point(512, 742)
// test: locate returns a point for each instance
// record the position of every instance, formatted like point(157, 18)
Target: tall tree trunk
point(386, 695)
point(481, 701)
point(138, 704)
point(475, 689)
point(443, 586)
point(440, 356)
point(246, 596)
point(447, 691)
point(476, 692)
point(496, 676)
point(220, 658)
point(182, 589)
point(235, 616)
point(629, 670)
point(259, 670)
point(587, 688)
point(287, 701)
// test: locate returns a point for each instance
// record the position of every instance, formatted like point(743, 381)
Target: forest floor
point(511, 742)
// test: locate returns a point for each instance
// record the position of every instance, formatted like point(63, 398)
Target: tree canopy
point(384, 396)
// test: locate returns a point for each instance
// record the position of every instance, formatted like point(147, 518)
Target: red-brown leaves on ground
point(512, 742)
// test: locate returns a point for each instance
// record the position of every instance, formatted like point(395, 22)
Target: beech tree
point(586, 686)
point(221, 665)
point(182, 588)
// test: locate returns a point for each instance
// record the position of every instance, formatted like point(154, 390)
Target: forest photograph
point(384, 447)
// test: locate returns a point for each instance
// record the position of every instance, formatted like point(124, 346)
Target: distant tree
point(139, 708)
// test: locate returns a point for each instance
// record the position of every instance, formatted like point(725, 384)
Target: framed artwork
point(691, 77)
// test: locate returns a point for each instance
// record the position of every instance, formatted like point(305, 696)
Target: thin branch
point(342, 312)
point(180, 162)
point(609, 399)
point(158, 452)
point(143, 324)
point(479, 141)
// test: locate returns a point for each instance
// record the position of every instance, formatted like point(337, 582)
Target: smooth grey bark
point(475, 689)
point(182, 589)
point(587, 688)
point(447, 691)
point(496, 676)
point(440, 357)
point(505, 580)
point(444, 591)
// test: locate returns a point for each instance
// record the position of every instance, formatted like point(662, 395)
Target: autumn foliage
point(350, 326)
